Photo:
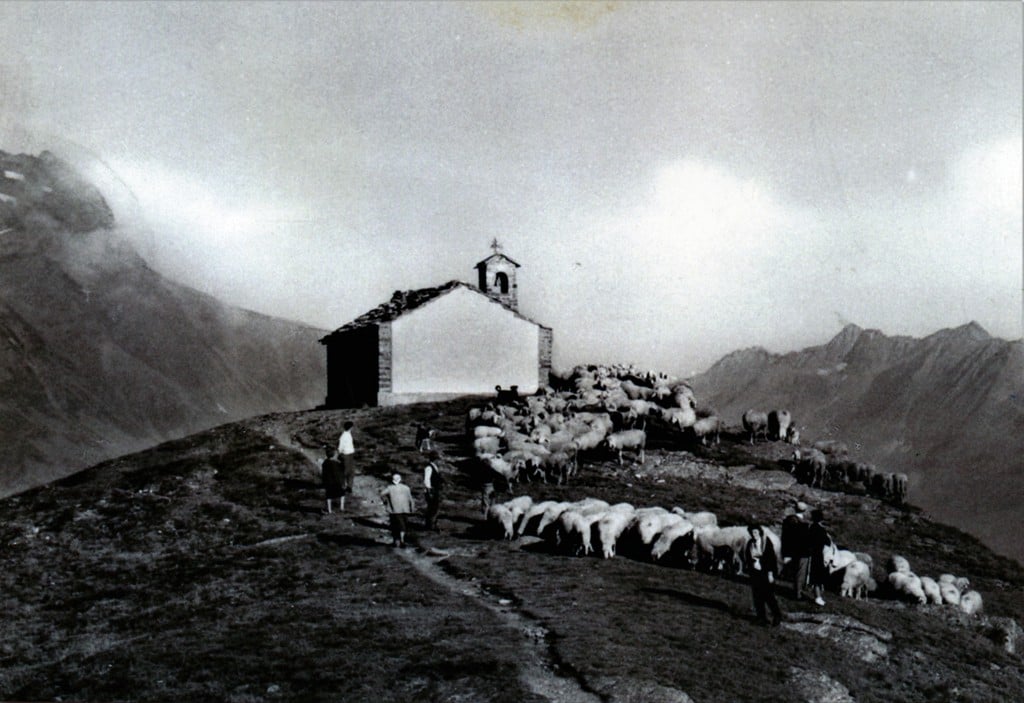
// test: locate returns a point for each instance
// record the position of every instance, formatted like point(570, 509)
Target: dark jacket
point(796, 542)
point(767, 563)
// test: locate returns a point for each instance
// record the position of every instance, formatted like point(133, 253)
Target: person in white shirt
point(347, 450)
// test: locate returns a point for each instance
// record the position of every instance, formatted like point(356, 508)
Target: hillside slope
point(946, 409)
point(202, 570)
point(100, 355)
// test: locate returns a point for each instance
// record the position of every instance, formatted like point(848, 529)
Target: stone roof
point(404, 301)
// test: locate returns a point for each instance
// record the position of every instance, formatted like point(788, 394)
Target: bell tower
point(497, 277)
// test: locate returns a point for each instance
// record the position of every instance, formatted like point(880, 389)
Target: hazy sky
point(677, 180)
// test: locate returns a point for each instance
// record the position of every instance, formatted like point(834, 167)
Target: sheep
point(499, 516)
point(707, 430)
point(778, 424)
point(949, 592)
point(635, 391)
point(970, 602)
point(793, 435)
point(961, 583)
point(832, 447)
point(857, 581)
point(810, 468)
point(680, 418)
point(486, 431)
point(670, 536)
point(518, 506)
point(650, 522)
point(709, 541)
point(575, 525)
point(836, 559)
point(701, 518)
point(537, 510)
point(550, 515)
point(628, 439)
point(486, 445)
point(909, 585)
point(755, 422)
point(898, 564)
point(503, 468)
point(682, 396)
point(931, 590)
point(611, 526)
point(521, 460)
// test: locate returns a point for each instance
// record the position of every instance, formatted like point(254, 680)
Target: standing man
point(817, 538)
point(332, 474)
point(347, 450)
point(398, 502)
point(433, 482)
point(760, 562)
point(796, 551)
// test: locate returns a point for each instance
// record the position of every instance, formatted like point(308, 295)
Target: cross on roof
point(495, 246)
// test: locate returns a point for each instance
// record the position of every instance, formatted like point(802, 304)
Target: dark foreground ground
point(202, 570)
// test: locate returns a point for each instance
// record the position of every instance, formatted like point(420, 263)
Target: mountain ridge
point(930, 406)
point(100, 354)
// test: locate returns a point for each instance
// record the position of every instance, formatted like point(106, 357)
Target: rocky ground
point(203, 569)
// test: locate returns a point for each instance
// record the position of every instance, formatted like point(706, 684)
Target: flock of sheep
point(607, 408)
point(824, 459)
point(695, 539)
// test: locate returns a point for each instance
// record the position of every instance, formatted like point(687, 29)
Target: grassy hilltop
point(202, 569)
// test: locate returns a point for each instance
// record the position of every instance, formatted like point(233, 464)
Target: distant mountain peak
point(840, 345)
point(970, 332)
point(974, 331)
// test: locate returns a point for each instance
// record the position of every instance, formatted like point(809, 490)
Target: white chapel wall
point(462, 343)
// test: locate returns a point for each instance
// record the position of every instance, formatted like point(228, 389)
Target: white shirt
point(345, 445)
point(428, 473)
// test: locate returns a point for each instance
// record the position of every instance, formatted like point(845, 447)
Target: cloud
point(988, 180)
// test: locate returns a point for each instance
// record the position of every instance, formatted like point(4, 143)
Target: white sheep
point(931, 590)
point(669, 536)
point(518, 507)
point(486, 431)
point(907, 584)
point(857, 581)
point(611, 526)
point(970, 602)
point(550, 515)
point(649, 522)
point(949, 592)
point(709, 540)
point(628, 439)
point(500, 516)
point(900, 564)
point(755, 422)
point(836, 559)
point(832, 447)
point(778, 424)
point(503, 468)
point(486, 445)
point(575, 523)
point(680, 417)
point(701, 518)
point(535, 511)
point(708, 430)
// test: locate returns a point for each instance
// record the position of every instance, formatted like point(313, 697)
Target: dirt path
point(539, 664)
